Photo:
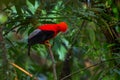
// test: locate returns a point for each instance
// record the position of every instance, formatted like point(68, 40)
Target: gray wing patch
point(35, 32)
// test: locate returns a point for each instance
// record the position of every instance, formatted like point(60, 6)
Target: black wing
point(38, 36)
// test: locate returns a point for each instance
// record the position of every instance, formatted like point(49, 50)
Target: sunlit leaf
point(3, 18)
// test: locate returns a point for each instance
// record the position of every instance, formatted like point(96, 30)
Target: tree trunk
point(3, 58)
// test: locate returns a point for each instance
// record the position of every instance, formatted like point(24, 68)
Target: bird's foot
point(47, 43)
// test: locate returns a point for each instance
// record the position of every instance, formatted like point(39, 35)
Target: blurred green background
point(91, 46)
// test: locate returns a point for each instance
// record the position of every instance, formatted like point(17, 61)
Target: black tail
point(29, 49)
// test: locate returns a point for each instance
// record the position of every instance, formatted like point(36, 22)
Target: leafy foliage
point(92, 38)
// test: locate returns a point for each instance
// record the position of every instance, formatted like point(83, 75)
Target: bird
point(43, 33)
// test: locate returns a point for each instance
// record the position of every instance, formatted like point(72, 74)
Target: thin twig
point(99, 63)
point(23, 70)
point(53, 62)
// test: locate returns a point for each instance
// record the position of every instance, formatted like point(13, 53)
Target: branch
point(3, 55)
point(11, 29)
point(75, 38)
point(24, 23)
point(99, 63)
point(53, 60)
point(66, 69)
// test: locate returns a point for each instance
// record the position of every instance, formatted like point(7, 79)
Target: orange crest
point(63, 26)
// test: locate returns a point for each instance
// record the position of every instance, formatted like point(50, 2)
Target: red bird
point(44, 33)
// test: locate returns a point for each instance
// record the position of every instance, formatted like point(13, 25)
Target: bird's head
point(63, 26)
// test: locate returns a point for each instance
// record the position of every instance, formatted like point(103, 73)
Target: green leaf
point(117, 28)
point(61, 51)
point(32, 2)
point(3, 18)
point(18, 9)
point(91, 33)
point(117, 71)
